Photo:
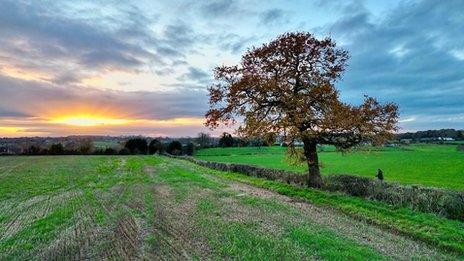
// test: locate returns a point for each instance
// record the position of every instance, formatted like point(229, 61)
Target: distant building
point(445, 139)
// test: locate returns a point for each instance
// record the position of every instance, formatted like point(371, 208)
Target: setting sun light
point(88, 121)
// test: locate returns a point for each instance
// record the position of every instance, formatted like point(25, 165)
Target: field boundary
point(446, 203)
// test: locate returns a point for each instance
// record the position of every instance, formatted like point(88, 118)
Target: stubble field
point(147, 207)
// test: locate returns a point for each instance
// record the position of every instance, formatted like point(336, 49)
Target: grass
point(144, 207)
point(424, 164)
point(441, 232)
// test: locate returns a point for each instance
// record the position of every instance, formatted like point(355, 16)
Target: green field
point(429, 165)
point(146, 207)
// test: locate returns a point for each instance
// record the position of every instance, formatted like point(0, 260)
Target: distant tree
point(269, 138)
point(203, 140)
point(241, 141)
point(85, 147)
point(287, 87)
point(254, 142)
point(70, 148)
point(33, 150)
point(155, 146)
point(431, 134)
point(189, 149)
point(136, 146)
point(460, 135)
point(174, 148)
point(226, 140)
point(56, 149)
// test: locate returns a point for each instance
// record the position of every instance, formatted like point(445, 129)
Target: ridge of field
point(153, 207)
point(431, 165)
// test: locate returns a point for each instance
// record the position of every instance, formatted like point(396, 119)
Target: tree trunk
point(314, 175)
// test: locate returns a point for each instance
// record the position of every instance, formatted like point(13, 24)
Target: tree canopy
point(155, 146)
point(287, 86)
point(174, 148)
point(136, 146)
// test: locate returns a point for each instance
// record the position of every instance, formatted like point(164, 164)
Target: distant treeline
point(142, 145)
point(433, 134)
point(86, 145)
point(132, 146)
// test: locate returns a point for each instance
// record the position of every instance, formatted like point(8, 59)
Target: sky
point(143, 67)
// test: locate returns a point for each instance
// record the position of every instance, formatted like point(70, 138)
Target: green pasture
point(425, 164)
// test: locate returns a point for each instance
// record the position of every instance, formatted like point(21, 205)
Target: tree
point(287, 87)
point(33, 150)
point(226, 140)
point(460, 135)
point(85, 147)
point(56, 149)
point(155, 146)
point(190, 149)
point(136, 146)
point(203, 140)
point(174, 148)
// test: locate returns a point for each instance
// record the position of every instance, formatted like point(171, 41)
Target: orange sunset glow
point(85, 120)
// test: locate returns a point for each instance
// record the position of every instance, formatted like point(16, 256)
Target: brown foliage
point(287, 87)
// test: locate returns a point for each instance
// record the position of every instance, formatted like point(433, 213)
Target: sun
point(89, 121)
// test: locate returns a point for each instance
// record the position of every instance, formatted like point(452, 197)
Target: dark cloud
point(274, 17)
point(234, 43)
point(45, 35)
point(408, 58)
point(217, 8)
point(195, 74)
point(72, 44)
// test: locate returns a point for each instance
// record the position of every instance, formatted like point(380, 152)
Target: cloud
point(89, 40)
point(46, 35)
point(407, 57)
point(217, 8)
point(273, 17)
point(195, 74)
point(34, 99)
point(234, 43)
